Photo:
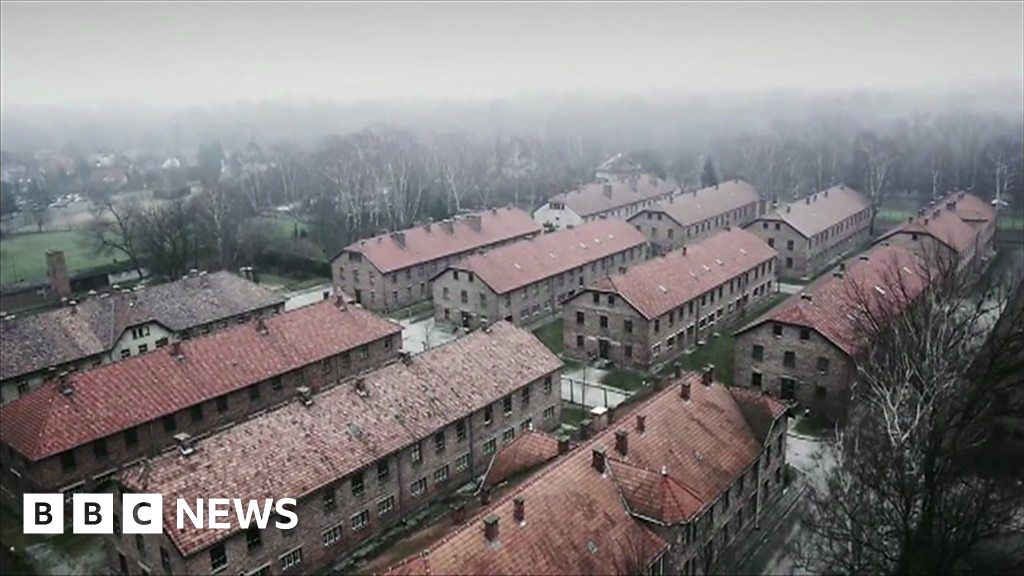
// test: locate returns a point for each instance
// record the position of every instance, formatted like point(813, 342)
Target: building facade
point(811, 233)
point(360, 457)
point(112, 327)
point(692, 216)
point(527, 281)
point(669, 490)
point(618, 197)
point(393, 271)
point(804, 350)
point(653, 312)
point(75, 434)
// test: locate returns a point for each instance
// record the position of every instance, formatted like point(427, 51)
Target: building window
point(358, 486)
point(222, 404)
point(131, 437)
point(385, 505)
point(218, 557)
point(332, 535)
point(805, 334)
point(628, 351)
point(417, 455)
point(460, 430)
point(788, 388)
point(758, 352)
point(462, 462)
point(507, 404)
point(329, 501)
point(579, 341)
point(508, 435)
point(789, 244)
point(441, 474)
point(165, 560)
point(549, 413)
point(604, 322)
point(439, 442)
point(755, 379)
point(526, 425)
point(490, 446)
point(547, 384)
point(657, 325)
point(525, 394)
point(789, 359)
point(143, 348)
point(383, 471)
point(99, 449)
point(580, 320)
point(789, 262)
point(777, 329)
point(822, 365)
point(488, 415)
point(419, 487)
point(291, 559)
point(254, 392)
point(627, 325)
point(360, 520)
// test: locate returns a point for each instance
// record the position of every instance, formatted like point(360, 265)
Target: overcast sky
point(173, 55)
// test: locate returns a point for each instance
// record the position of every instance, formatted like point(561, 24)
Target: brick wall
point(802, 257)
point(315, 519)
point(665, 234)
point(92, 468)
point(655, 341)
point(825, 393)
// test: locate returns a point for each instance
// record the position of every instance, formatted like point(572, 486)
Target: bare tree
point(907, 494)
point(879, 159)
point(115, 228)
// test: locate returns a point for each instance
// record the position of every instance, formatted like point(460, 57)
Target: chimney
point(305, 395)
point(863, 258)
point(599, 416)
point(563, 444)
point(427, 226)
point(684, 390)
point(622, 442)
point(360, 386)
point(684, 250)
point(485, 495)
point(405, 356)
point(708, 375)
point(339, 301)
point(806, 296)
point(519, 510)
point(64, 385)
point(474, 221)
point(807, 200)
point(57, 273)
point(585, 428)
point(73, 304)
point(399, 238)
point(842, 266)
point(826, 193)
point(788, 208)
point(607, 189)
point(597, 460)
point(261, 326)
point(176, 350)
point(184, 443)
point(677, 370)
point(491, 529)
point(458, 513)
point(641, 423)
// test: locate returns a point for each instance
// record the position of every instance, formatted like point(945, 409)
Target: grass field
point(1006, 222)
point(23, 257)
point(551, 336)
point(282, 227)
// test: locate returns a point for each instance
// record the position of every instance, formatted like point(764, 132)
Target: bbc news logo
point(144, 513)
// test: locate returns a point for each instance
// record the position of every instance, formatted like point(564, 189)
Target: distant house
point(618, 167)
point(692, 216)
point(109, 328)
point(392, 271)
point(618, 198)
point(812, 232)
point(528, 280)
point(110, 178)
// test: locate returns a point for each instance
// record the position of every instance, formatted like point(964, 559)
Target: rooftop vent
point(598, 460)
point(491, 529)
point(360, 386)
point(185, 443)
point(622, 442)
point(708, 375)
point(305, 395)
point(519, 510)
point(176, 351)
point(261, 326)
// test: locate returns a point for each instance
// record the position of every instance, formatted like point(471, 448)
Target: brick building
point(691, 216)
point(804, 350)
point(73, 435)
point(667, 490)
point(110, 328)
point(617, 197)
point(961, 227)
point(359, 457)
point(813, 232)
point(528, 280)
point(655, 310)
point(392, 271)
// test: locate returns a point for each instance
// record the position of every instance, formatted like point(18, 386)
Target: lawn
point(717, 351)
point(573, 414)
point(23, 256)
point(625, 380)
point(551, 336)
point(282, 227)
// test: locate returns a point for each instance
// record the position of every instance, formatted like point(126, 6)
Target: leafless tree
point(115, 228)
point(879, 159)
point(907, 494)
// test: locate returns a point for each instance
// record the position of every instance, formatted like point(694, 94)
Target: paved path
point(298, 299)
point(592, 394)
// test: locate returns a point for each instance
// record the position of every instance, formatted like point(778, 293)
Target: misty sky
point(174, 55)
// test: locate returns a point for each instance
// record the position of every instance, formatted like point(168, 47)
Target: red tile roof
point(34, 343)
point(308, 447)
point(696, 206)
point(526, 452)
point(45, 422)
point(815, 213)
point(833, 308)
point(656, 286)
point(522, 263)
point(592, 199)
point(432, 241)
point(949, 226)
point(576, 520)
